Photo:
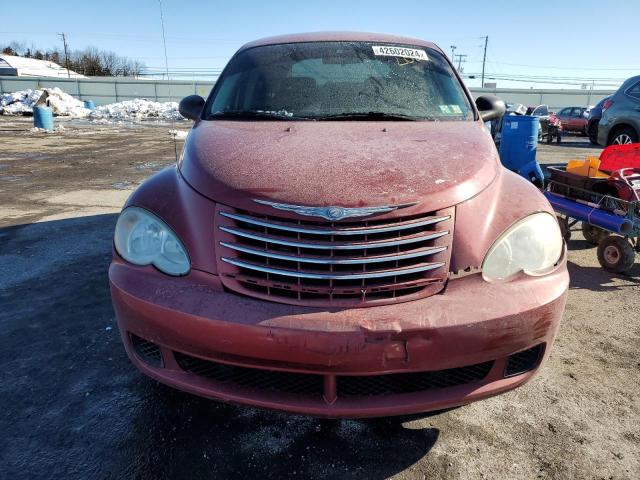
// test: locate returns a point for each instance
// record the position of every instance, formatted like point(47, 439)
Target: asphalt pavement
point(73, 407)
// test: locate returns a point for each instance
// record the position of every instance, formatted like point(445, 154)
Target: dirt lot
point(72, 406)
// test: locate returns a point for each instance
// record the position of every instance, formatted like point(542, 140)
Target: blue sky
point(578, 39)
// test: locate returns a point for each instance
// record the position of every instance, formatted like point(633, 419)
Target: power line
point(152, 38)
point(555, 77)
point(545, 80)
point(214, 57)
point(551, 67)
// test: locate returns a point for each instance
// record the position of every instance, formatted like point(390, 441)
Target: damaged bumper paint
point(384, 350)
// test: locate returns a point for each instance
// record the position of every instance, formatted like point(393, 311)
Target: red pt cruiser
point(339, 239)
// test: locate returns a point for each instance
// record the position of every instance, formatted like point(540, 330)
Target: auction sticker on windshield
point(404, 52)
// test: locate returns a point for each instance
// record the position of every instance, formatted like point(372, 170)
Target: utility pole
point(461, 59)
point(66, 55)
point(593, 84)
point(453, 51)
point(484, 59)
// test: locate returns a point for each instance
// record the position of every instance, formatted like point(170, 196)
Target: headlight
point(142, 238)
point(532, 245)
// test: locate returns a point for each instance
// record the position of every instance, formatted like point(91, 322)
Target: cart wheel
point(592, 234)
point(616, 254)
point(565, 230)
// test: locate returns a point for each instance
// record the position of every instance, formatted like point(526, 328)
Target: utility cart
point(609, 209)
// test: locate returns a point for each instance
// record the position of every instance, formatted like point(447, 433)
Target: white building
point(30, 67)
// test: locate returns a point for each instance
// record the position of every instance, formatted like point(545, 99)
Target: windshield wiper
point(369, 116)
point(261, 114)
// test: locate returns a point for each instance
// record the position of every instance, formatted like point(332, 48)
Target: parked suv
point(339, 238)
point(573, 119)
point(595, 114)
point(620, 122)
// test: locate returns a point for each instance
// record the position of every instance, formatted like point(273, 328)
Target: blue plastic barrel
point(43, 118)
point(89, 104)
point(518, 144)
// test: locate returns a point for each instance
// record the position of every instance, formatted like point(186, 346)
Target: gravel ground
point(72, 406)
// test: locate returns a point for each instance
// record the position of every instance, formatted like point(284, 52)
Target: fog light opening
point(524, 361)
point(146, 351)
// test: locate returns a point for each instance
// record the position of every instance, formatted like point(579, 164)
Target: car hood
point(339, 163)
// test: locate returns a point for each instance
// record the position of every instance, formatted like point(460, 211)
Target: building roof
point(31, 67)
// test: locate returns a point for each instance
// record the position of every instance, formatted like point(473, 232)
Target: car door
point(575, 123)
point(564, 116)
point(632, 106)
point(581, 120)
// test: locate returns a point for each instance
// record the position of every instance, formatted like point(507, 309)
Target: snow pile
point(138, 109)
point(58, 129)
point(19, 102)
point(61, 103)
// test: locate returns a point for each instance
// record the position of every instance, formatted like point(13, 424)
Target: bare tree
point(19, 47)
point(109, 62)
point(54, 56)
point(91, 61)
point(137, 68)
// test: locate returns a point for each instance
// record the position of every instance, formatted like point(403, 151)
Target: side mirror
point(490, 107)
point(191, 106)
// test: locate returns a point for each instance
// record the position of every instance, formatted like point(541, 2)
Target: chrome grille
point(356, 263)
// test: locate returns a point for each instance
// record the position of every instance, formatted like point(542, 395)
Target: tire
point(593, 132)
point(592, 234)
point(616, 254)
point(624, 136)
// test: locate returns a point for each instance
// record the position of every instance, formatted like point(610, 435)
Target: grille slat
point(334, 276)
point(298, 286)
point(366, 230)
point(330, 245)
point(335, 261)
point(342, 263)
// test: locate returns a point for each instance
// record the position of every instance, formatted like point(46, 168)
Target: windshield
point(339, 80)
point(540, 111)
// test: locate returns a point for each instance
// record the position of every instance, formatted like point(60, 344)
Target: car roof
point(628, 83)
point(339, 37)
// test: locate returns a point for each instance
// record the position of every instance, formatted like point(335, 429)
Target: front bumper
point(472, 323)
